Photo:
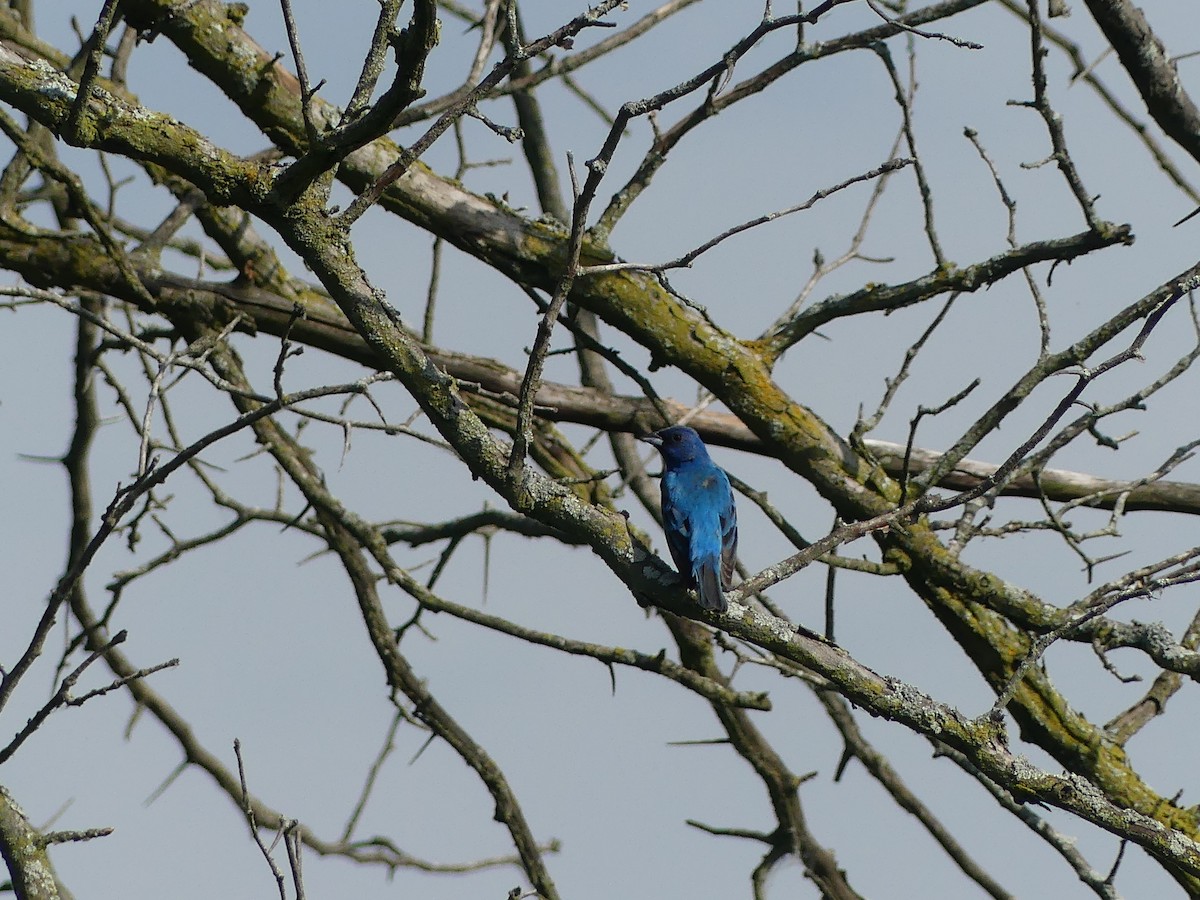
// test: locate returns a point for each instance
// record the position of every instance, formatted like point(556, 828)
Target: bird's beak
point(653, 439)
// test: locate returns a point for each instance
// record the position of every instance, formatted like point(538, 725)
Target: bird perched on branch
point(699, 517)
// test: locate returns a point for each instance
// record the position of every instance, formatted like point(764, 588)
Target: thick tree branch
point(1152, 70)
point(23, 848)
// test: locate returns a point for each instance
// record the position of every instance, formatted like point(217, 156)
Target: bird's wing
point(713, 517)
point(728, 542)
point(678, 530)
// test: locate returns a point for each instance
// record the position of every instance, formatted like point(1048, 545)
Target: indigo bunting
point(699, 518)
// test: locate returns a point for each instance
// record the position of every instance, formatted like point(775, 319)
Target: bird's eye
point(677, 438)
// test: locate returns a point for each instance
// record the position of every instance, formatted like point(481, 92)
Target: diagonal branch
point(1152, 70)
point(877, 298)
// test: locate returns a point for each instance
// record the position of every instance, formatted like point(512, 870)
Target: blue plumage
point(699, 517)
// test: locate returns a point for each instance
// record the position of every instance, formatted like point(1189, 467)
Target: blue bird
point(699, 517)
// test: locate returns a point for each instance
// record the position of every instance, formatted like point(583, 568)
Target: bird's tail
point(708, 580)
